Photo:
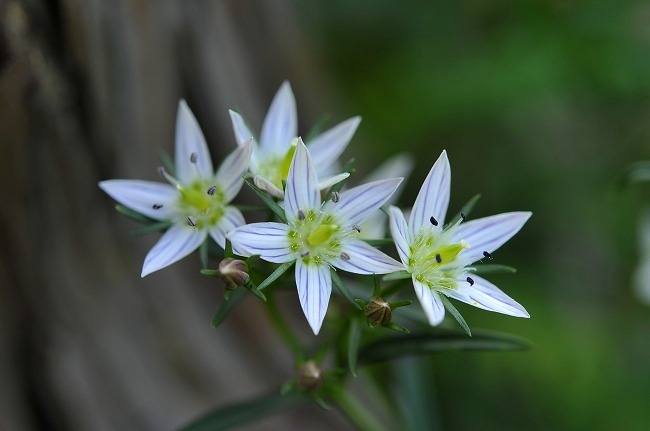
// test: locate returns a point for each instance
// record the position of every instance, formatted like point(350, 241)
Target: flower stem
point(283, 329)
point(355, 412)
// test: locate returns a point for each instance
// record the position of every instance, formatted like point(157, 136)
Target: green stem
point(283, 329)
point(355, 412)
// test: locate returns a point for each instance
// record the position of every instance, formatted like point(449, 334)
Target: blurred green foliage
point(541, 105)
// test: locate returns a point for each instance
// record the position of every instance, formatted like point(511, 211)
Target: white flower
point(438, 257)
point(318, 235)
point(272, 156)
point(197, 200)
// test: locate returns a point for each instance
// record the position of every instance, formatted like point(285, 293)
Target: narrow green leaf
point(268, 201)
point(377, 285)
point(211, 272)
point(403, 303)
point(399, 328)
point(234, 298)
point(354, 337)
point(437, 341)
point(637, 172)
point(399, 275)
point(466, 209)
point(378, 242)
point(489, 268)
point(133, 215)
point(452, 310)
point(168, 163)
point(235, 415)
point(316, 129)
point(153, 227)
point(275, 275)
point(344, 289)
point(250, 286)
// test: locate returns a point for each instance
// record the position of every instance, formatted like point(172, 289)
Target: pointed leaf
point(399, 275)
point(268, 201)
point(227, 306)
point(235, 415)
point(153, 227)
point(275, 275)
point(437, 341)
point(493, 269)
point(466, 209)
point(354, 337)
point(344, 289)
point(454, 312)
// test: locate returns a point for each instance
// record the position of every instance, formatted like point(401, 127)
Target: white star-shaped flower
point(319, 235)
point(438, 257)
point(274, 152)
point(197, 200)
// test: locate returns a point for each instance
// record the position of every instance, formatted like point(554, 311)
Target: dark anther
point(357, 228)
point(335, 197)
point(157, 206)
point(211, 190)
point(301, 215)
point(190, 221)
point(438, 258)
point(487, 255)
point(345, 256)
point(462, 216)
point(433, 221)
point(161, 172)
point(193, 157)
point(304, 254)
point(470, 280)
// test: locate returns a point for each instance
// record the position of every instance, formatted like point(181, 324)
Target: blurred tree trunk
point(88, 91)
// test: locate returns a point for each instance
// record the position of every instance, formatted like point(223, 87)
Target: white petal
point(242, 132)
point(302, 192)
point(433, 199)
point(399, 232)
point(328, 146)
point(142, 196)
point(269, 240)
point(362, 258)
point(190, 145)
point(281, 122)
point(314, 289)
point(328, 182)
point(431, 303)
point(179, 241)
point(229, 175)
point(231, 219)
point(488, 233)
point(487, 296)
point(268, 186)
point(356, 204)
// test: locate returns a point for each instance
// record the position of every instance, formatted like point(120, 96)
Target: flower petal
point(356, 204)
point(192, 156)
point(179, 241)
point(229, 175)
point(269, 240)
point(302, 192)
point(328, 146)
point(399, 232)
point(485, 295)
point(143, 197)
point(242, 132)
point(268, 186)
point(361, 258)
point(433, 199)
point(231, 219)
point(328, 182)
point(488, 233)
point(281, 122)
point(314, 289)
point(431, 303)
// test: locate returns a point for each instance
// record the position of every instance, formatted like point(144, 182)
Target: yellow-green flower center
point(317, 238)
point(203, 203)
point(433, 259)
point(276, 169)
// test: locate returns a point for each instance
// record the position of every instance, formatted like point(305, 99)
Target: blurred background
point(541, 106)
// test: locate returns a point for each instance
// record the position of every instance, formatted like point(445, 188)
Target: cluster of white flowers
point(319, 236)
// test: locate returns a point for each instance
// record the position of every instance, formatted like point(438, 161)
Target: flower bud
point(234, 272)
point(378, 311)
point(310, 376)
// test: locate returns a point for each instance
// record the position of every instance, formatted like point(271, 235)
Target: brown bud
point(234, 272)
point(378, 311)
point(310, 376)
